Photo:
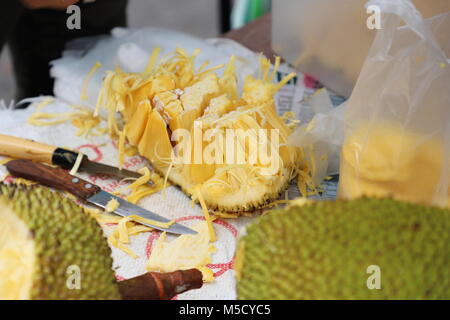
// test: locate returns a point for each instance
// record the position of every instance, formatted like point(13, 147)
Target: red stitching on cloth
point(94, 148)
point(220, 222)
point(227, 226)
point(223, 267)
point(154, 235)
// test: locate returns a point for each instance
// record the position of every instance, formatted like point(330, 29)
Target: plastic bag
point(321, 136)
point(397, 134)
point(328, 38)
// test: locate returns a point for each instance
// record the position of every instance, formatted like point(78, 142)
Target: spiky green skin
point(322, 251)
point(64, 235)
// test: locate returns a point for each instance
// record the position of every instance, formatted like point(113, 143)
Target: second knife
point(88, 192)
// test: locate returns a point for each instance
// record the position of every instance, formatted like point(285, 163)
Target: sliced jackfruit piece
point(219, 106)
point(160, 84)
point(155, 142)
point(199, 94)
point(135, 99)
point(138, 122)
point(168, 104)
point(163, 98)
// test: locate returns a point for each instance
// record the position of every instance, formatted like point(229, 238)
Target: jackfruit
point(388, 160)
point(139, 120)
point(51, 249)
point(207, 106)
point(347, 249)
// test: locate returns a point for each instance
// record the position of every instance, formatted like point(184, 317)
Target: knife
point(59, 179)
point(30, 150)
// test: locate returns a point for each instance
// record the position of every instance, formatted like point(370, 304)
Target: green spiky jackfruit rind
point(322, 251)
point(64, 235)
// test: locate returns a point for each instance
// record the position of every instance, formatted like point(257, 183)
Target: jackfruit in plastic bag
point(397, 134)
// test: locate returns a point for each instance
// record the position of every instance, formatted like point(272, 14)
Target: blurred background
point(198, 17)
point(203, 18)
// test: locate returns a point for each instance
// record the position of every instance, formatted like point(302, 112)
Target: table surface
point(256, 35)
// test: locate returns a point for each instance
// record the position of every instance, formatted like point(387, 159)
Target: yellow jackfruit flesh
point(50, 248)
point(185, 252)
point(348, 249)
point(232, 177)
point(386, 160)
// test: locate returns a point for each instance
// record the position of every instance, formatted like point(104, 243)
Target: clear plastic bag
point(397, 134)
point(321, 138)
point(328, 38)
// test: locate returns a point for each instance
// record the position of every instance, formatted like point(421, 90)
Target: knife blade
point(86, 191)
point(100, 168)
point(31, 150)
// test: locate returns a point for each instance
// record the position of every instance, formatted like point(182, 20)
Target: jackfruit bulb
point(197, 129)
point(348, 249)
point(51, 249)
point(387, 160)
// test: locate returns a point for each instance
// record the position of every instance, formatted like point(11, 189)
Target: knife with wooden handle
point(31, 150)
point(59, 179)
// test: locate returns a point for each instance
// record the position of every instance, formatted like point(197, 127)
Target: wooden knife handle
point(31, 150)
point(25, 149)
point(160, 286)
point(52, 177)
